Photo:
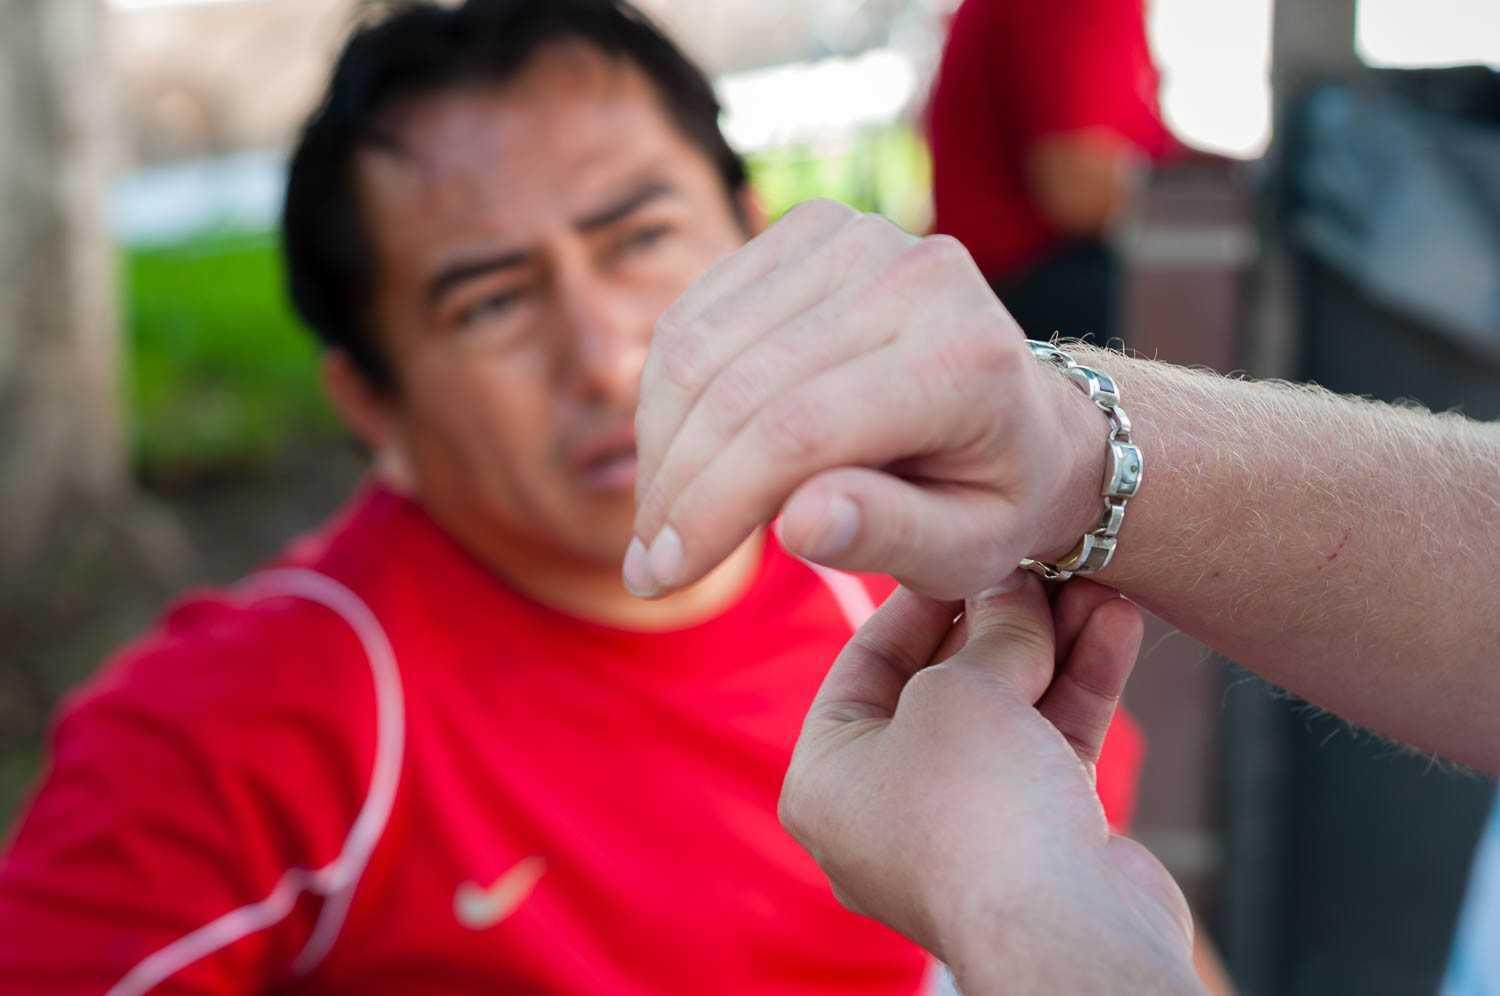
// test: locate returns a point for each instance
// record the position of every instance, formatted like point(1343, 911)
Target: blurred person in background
point(1042, 119)
point(438, 747)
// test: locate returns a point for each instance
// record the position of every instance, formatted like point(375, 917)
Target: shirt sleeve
point(189, 791)
point(1072, 65)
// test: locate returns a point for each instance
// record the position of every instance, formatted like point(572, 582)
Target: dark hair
point(415, 49)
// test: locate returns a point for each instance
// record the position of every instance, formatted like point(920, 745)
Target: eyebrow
point(624, 207)
point(462, 271)
point(458, 272)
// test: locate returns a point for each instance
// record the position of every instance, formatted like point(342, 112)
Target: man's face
point(527, 238)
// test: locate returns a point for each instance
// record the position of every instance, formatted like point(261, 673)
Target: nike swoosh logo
point(480, 908)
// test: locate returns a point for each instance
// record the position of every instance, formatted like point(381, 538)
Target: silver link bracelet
point(1122, 472)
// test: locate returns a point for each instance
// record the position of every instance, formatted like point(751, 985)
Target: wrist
point(1035, 945)
point(1009, 927)
point(1096, 545)
point(1083, 430)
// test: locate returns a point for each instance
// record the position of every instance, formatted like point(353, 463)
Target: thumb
point(945, 542)
point(1010, 630)
point(866, 679)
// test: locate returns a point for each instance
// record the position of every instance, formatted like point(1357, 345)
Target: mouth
point(613, 472)
point(609, 464)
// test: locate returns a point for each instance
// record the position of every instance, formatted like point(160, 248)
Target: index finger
point(895, 643)
point(1086, 690)
point(679, 333)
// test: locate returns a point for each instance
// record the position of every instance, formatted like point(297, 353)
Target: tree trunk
point(61, 445)
point(83, 558)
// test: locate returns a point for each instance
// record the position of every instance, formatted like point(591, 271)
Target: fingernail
point(665, 558)
point(841, 523)
point(1011, 582)
point(637, 570)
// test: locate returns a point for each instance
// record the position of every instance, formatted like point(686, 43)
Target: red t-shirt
point(1012, 72)
point(374, 769)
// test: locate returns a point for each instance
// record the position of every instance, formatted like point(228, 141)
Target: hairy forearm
point(1341, 548)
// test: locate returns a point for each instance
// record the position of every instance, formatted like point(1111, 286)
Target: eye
point(645, 238)
point(488, 308)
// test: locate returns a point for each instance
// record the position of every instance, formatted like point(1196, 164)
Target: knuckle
point(914, 266)
point(944, 250)
point(1018, 638)
point(718, 317)
point(682, 362)
point(795, 429)
point(891, 535)
point(789, 807)
point(1097, 697)
point(929, 687)
point(862, 236)
point(996, 354)
point(870, 228)
point(984, 334)
point(820, 211)
point(1081, 741)
point(731, 399)
point(884, 655)
point(847, 247)
point(938, 261)
point(936, 253)
point(938, 271)
point(669, 325)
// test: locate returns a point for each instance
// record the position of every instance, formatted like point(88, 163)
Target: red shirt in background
point(1012, 72)
point(374, 769)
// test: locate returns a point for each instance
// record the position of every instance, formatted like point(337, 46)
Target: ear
point(752, 210)
point(370, 414)
point(364, 409)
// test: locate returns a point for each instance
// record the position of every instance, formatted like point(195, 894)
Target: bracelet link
point(1124, 469)
point(1122, 479)
point(1114, 518)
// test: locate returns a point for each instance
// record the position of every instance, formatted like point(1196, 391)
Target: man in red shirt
point(437, 747)
point(1041, 116)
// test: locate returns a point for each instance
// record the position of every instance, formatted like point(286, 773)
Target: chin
point(604, 552)
point(601, 530)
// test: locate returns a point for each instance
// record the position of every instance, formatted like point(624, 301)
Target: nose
point(609, 330)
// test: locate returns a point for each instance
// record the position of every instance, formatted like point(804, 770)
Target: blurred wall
point(205, 80)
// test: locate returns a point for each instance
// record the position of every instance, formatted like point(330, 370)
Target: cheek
point(494, 420)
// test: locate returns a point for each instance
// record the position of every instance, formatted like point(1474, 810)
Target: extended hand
point(955, 802)
point(868, 386)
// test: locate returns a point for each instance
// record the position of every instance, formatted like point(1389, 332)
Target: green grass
point(219, 375)
point(221, 379)
point(885, 170)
